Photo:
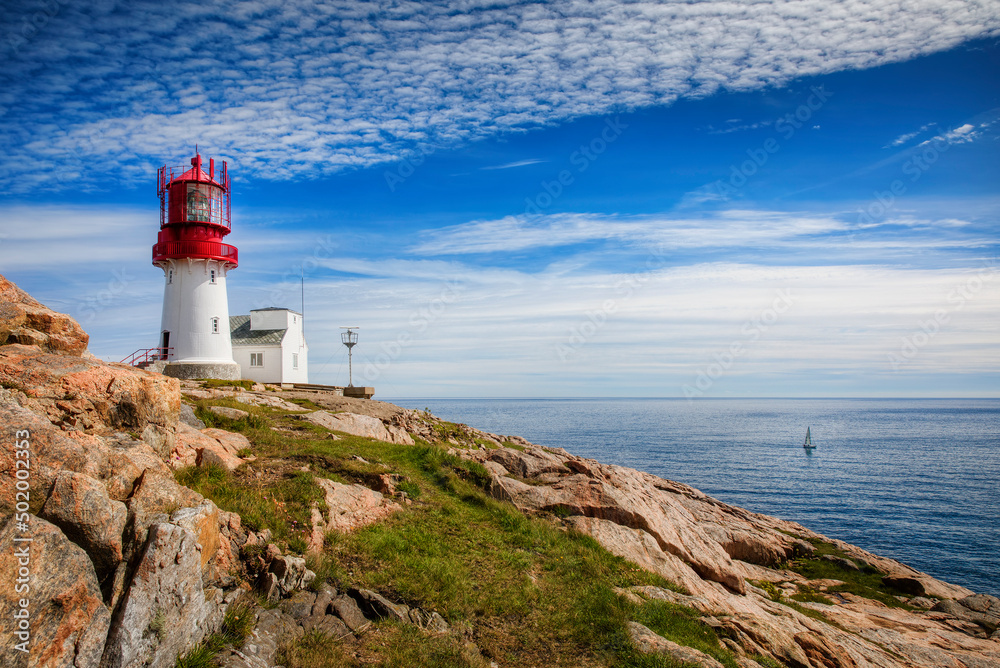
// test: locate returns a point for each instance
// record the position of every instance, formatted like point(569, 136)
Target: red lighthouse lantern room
point(194, 215)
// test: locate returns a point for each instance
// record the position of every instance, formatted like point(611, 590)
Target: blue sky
point(534, 199)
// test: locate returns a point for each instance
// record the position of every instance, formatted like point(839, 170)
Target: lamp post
point(350, 339)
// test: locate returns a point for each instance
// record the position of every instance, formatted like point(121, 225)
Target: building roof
point(275, 308)
point(242, 335)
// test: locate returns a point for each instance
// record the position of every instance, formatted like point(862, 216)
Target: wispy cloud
point(733, 125)
point(769, 231)
point(903, 138)
point(963, 134)
point(674, 319)
point(510, 165)
point(296, 89)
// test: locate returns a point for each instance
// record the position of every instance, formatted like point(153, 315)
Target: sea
point(913, 479)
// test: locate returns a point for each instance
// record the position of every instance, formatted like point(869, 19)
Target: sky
point(781, 198)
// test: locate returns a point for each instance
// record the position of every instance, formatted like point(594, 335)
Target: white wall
point(272, 319)
point(269, 373)
point(190, 301)
point(295, 343)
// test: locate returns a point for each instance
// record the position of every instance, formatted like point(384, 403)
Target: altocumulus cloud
point(293, 89)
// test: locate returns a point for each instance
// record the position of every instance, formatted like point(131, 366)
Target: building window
point(213, 276)
point(215, 325)
point(170, 276)
point(295, 360)
point(256, 359)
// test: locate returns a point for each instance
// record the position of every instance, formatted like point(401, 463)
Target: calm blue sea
point(917, 480)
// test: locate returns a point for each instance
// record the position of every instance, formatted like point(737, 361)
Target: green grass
point(772, 590)
point(305, 403)
point(680, 624)
point(202, 656)
point(527, 590)
point(255, 419)
point(531, 588)
point(237, 624)
point(411, 489)
point(215, 382)
point(283, 506)
point(867, 584)
point(811, 596)
point(389, 645)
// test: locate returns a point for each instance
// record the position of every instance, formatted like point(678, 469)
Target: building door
point(164, 344)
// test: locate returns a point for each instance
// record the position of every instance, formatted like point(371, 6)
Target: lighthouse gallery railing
point(205, 249)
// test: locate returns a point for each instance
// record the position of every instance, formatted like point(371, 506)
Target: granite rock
point(66, 616)
point(24, 320)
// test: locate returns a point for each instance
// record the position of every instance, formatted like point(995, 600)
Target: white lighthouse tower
point(194, 218)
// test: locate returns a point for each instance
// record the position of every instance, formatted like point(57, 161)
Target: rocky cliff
point(107, 561)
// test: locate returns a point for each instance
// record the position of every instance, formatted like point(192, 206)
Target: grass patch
point(772, 590)
point(809, 612)
point(450, 430)
point(282, 504)
point(681, 625)
point(867, 583)
point(202, 656)
point(305, 403)
point(390, 645)
point(157, 625)
point(216, 382)
point(411, 489)
point(811, 596)
point(237, 624)
point(256, 419)
point(536, 593)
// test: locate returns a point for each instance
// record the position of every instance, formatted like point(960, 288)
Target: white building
point(270, 346)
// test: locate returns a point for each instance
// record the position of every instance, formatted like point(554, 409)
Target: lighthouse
point(194, 219)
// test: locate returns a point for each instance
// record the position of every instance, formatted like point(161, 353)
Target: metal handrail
point(147, 355)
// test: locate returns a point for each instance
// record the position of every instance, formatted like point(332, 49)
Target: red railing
point(213, 250)
point(147, 355)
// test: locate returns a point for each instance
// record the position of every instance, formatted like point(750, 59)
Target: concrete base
point(197, 370)
point(359, 392)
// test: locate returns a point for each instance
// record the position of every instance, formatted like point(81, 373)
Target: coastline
point(164, 512)
point(880, 479)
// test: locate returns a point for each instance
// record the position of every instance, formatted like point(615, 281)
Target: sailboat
point(808, 445)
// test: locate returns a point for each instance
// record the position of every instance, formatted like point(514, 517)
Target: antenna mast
point(350, 339)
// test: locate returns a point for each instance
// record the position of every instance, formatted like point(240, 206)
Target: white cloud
point(732, 127)
point(967, 132)
point(491, 328)
point(295, 89)
point(658, 329)
point(730, 229)
point(903, 138)
point(510, 165)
